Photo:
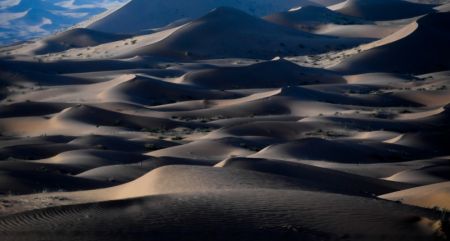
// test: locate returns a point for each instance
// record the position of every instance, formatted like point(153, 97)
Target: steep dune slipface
point(315, 177)
point(228, 32)
point(75, 38)
point(428, 196)
point(110, 142)
point(443, 8)
point(30, 109)
point(100, 117)
point(384, 9)
point(424, 175)
point(397, 56)
point(31, 182)
point(92, 158)
point(312, 17)
point(265, 74)
point(324, 21)
point(146, 90)
point(311, 149)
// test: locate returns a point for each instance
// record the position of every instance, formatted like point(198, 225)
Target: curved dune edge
point(382, 9)
point(259, 212)
point(430, 196)
point(400, 34)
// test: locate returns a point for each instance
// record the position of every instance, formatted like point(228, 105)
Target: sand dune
point(32, 182)
point(289, 130)
point(369, 31)
point(35, 151)
point(188, 179)
point(120, 174)
point(99, 117)
point(383, 9)
point(400, 60)
point(324, 21)
point(214, 150)
point(311, 18)
point(141, 15)
point(317, 177)
point(327, 2)
point(312, 149)
point(424, 140)
point(429, 196)
point(31, 109)
point(92, 158)
point(136, 90)
point(258, 213)
point(75, 38)
point(77, 66)
point(265, 74)
point(33, 79)
point(422, 176)
point(443, 8)
point(240, 35)
point(119, 143)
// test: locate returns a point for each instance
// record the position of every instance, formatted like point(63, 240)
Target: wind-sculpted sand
point(313, 124)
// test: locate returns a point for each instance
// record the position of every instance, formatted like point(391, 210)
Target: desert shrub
point(177, 138)
point(187, 53)
point(101, 147)
point(151, 147)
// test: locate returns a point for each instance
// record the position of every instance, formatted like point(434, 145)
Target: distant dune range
point(129, 19)
point(230, 120)
point(226, 32)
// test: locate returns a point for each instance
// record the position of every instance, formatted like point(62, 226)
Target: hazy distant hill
point(25, 19)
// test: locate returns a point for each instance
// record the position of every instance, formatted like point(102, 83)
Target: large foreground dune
point(261, 214)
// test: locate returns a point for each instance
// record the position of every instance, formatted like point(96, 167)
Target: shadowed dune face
point(150, 91)
point(428, 196)
point(141, 15)
point(251, 206)
point(206, 130)
point(378, 10)
point(75, 38)
point(227, 32)
point(397, 57)
point(265, 74)
point(324, 21)
point(310, 18)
